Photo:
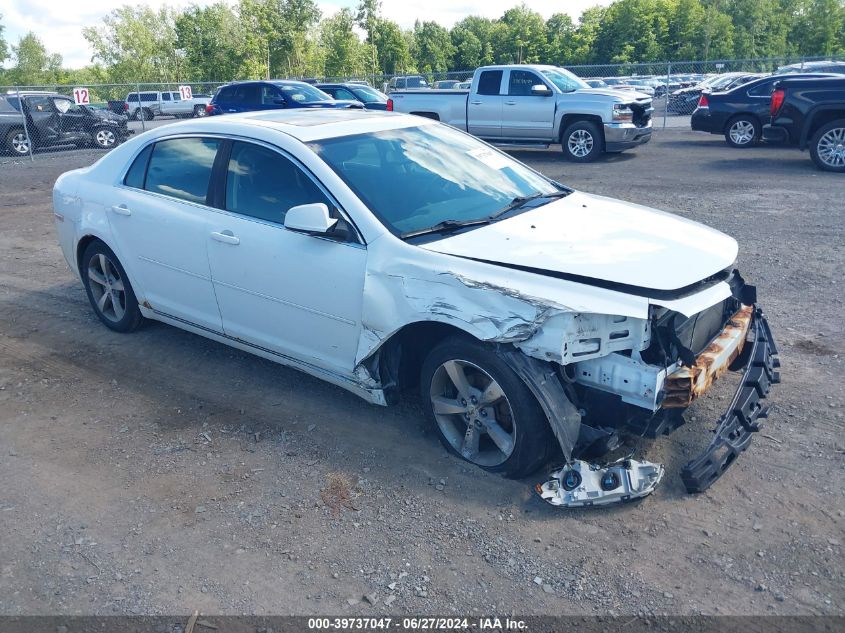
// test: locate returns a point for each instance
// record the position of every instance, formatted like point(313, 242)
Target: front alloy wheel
point(105, 138)
point(17, 143)
point(582, 142)
point(482, 410)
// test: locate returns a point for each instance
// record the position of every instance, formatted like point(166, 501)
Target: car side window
point(520, 82)
point(263, 184)
point(489, 82)
point(165, 96)
point(343, 93)
point(138, 171)
point(269, 95)
point(226, 94)
point(763, 90)
point(39, 104)
point(181, 168)
point(249, 94)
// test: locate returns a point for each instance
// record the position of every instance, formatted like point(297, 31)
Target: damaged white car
point(380, 252)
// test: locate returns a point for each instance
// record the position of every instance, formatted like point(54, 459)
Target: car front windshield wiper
point(522, 200)
point(446, 226)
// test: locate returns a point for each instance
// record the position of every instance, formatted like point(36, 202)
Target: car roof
point(304, 124)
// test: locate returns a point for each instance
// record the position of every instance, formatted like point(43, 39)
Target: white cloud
point(59, 23)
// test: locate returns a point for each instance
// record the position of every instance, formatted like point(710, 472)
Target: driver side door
point(527, 116)
point(294, 294)
point(72, 120)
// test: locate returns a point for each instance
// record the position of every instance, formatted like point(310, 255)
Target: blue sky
point(59, 23)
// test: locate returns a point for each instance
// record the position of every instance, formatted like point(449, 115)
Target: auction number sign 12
point(81, 96)
point(186, 93)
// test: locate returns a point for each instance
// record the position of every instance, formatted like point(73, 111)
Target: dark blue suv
point(248, 96)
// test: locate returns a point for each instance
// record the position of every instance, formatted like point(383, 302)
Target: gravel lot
point(159, 472)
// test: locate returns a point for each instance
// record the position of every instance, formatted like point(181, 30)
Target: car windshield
point(369, 95)
point(303, 93)
point(723, 81)
point(564, 80)
point(417, 177)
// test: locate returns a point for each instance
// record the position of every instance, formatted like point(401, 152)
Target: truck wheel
point(827, 147)
point(17, 143)
point(483, 412)
point(743, 131)
point(199, 111)
point(582, 142)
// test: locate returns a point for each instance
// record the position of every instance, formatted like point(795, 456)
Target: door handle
point(121, 209)
point(231, 110)
point(510, 102)
point(476, 102)
point(227, 237)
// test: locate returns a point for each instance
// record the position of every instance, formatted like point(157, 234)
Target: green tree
point(4, 50)
point(345, 54)
point(432, 48)
point(468, 49)
point(561, 43)
point(819, 28)
point(211, 40)
point(525, 39)
point(394, 54)
point(632, 31)
point(32, 64)
point(482, 29)
point(589, 25)
point(137, 44)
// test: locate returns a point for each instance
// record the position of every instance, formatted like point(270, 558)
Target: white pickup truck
point(153, 104)
point(537, 106)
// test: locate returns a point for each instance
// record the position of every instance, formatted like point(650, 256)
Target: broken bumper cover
point(733, 435)
point(581, 484)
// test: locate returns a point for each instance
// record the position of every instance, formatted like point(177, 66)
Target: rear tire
point(743, 131)
point(827, 147)
point(104, 138)
point(199, 111)
point(582, 142)
point(108, 288)
point(493, 421)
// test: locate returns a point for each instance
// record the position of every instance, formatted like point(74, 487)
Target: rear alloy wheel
point(484, 413)
point(199, 111)
point(742, 132)
point(582, 142)
point(108, 289)
point(17, 143)
point(827, 148)
point(104, 138)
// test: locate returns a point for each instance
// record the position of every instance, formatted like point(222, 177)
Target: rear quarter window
point(138, 170)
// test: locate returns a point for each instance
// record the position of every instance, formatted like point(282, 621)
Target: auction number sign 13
point(186, 93)
point(81, 96)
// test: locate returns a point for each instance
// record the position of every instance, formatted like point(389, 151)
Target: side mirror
point(309, 218)
point(540, 90)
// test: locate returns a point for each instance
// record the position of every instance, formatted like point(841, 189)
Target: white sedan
point(382, 251)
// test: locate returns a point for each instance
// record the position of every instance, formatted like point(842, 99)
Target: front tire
point(483, 412)
point(582, 142)
point(17, 143)
point(827, 147)
point(743, 131)
point(108, 288)
point(104, 138)
point(199, 111)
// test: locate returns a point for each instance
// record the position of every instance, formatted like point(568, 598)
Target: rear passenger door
point(159, 217)
point(484, 106)
point(294, 294)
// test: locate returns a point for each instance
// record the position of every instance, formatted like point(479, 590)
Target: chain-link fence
point(40, 121)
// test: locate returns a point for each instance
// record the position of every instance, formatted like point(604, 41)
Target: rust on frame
point(688, 383)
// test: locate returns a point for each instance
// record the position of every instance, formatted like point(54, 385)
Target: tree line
point(290, 38)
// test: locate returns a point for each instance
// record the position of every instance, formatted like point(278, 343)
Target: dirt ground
point(159, 472)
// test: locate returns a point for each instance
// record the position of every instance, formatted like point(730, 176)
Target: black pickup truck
point(810, 113)
point(54, 119)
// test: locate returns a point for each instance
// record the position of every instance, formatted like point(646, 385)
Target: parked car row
point(42, 119)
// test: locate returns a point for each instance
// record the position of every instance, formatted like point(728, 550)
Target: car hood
point(599, 238)
point(626, 95)
point(340, 103)
point(108, 115)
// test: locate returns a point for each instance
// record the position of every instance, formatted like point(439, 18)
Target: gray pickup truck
point(536, 106)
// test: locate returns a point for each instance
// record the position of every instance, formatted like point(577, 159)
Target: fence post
point(666, 103)
point(25, 126)
point(140, 111)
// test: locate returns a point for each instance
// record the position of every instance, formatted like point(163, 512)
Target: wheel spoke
point(469, 448)
point(117, 306)
point(117, 284)
point(101, 302)
point(447, 406)
point(492, 393)
point(456, 374)
point(96, 277)
point(500, 437)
